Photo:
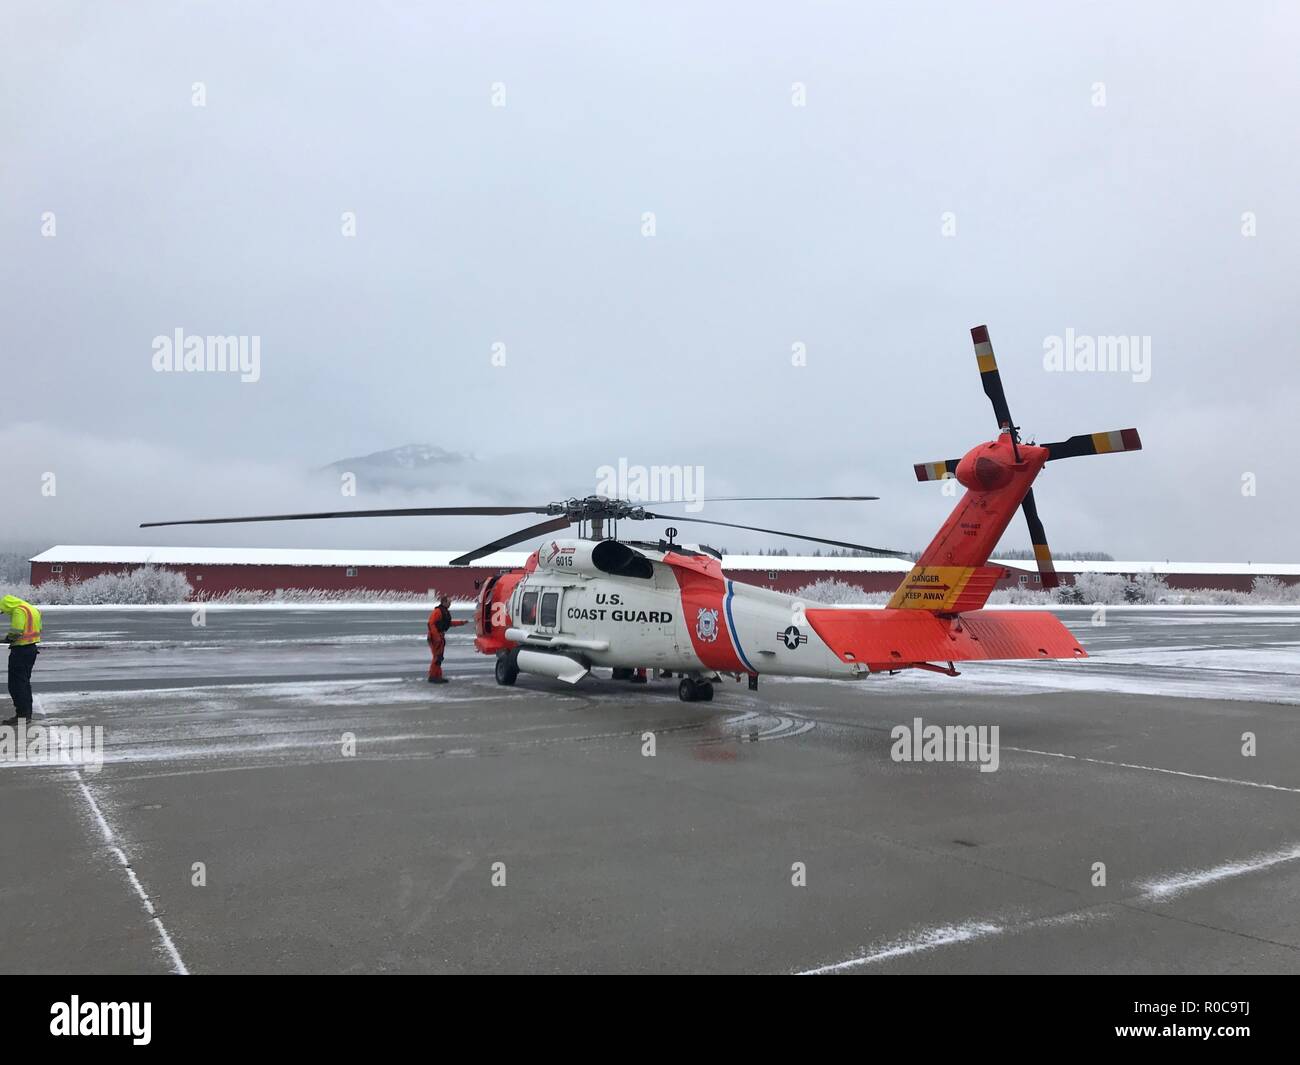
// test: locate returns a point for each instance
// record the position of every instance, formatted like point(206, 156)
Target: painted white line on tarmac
point(177, 963)
point(1157, 889)
point(94, 807)
point(930, 939)
point(1169, 886)
point(1156, 769)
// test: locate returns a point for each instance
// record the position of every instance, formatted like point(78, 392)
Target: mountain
point(407, 467)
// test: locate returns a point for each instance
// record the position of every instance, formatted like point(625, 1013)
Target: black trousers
point(21, 661)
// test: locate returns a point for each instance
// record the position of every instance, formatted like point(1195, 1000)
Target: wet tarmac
point(281, 791)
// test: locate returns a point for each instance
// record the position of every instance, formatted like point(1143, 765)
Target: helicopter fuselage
point(630, 605)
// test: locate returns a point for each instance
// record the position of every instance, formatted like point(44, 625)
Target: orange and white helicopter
point(630, 605)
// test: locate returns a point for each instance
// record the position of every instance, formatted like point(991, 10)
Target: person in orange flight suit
point(439, 622)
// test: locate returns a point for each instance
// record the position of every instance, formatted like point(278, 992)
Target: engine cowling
point(593, 558)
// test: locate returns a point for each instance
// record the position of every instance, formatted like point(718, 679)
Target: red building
point(215, 570)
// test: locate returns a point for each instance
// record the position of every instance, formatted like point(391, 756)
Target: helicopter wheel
point(690, 691)
point(506, 669)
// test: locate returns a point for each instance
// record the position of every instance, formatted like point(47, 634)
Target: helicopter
point(596, 600)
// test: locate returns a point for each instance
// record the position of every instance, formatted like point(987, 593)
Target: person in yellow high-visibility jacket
point(23, 636)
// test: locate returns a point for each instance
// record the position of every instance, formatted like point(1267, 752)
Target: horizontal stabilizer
point(893, 639)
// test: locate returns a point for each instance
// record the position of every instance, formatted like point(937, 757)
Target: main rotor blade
point(775, 532)
point(404, 512)
point(540, 529)
point(990, 378)
point(777, 499)
point(1038, 537)
point(1095, 444)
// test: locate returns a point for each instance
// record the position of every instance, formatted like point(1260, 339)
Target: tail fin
point(946, 589)
point(951, 576)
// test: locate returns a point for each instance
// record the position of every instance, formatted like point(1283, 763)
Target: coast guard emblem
point(706, 625)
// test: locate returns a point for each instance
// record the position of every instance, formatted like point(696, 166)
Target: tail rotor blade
point(990, 378)
point(1095, 444)
point(1038, 537)
point(935, 471)
point(540, 529)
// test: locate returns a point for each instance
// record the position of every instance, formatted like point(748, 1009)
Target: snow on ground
point(89, 641)
point(1281, 659)
point(1269, 675)
point(190, 608)
point(1204, 652)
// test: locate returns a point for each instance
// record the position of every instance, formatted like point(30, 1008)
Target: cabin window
point(528, 609)
point(771, 575)
point(352, 571)
point(550, 607)
point(56, 569)
point(1024, 578)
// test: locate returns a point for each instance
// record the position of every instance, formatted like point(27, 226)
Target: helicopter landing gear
point(507, 670)
point(690, 691)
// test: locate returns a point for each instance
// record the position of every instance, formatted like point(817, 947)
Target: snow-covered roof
point(1245, 569)
point(816, 562)
point(276, 556)
point(899, 565)
point(264, 556)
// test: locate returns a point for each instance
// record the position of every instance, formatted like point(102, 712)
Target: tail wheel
point(507, 671)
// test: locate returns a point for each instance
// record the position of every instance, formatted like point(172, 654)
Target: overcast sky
point(868, 181)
